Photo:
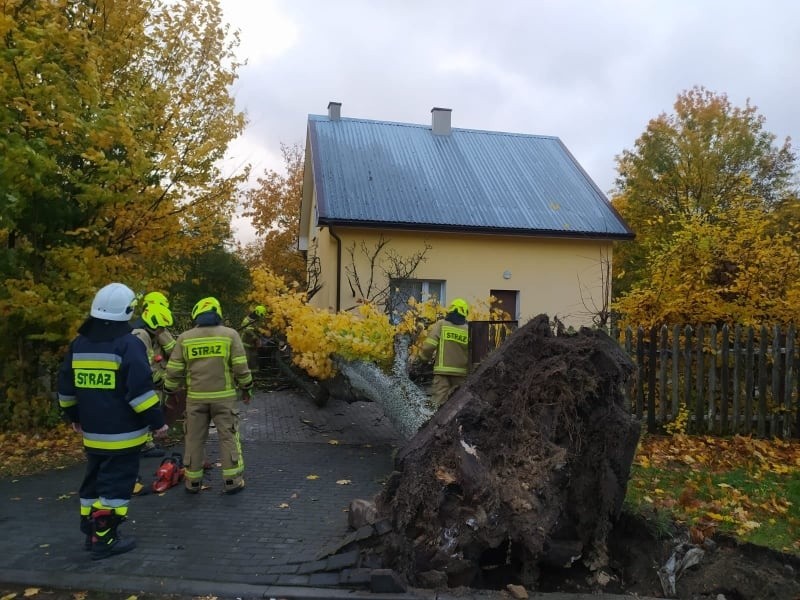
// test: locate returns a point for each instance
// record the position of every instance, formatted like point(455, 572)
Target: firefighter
point(155, 318)
point(251, 336)
point(210, 361)
point(447, 342)
point(106, 391)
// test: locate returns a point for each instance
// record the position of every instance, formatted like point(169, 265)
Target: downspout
point(338, 267)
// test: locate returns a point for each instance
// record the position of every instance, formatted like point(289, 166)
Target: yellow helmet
point(460, 306)
point(157, 315)
point(155, 298)
point(260, 310)
point(206, 305)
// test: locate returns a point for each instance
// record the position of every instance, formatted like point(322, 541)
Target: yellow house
point(392, 210)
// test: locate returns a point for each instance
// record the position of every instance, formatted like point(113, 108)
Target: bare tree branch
point(383, 262)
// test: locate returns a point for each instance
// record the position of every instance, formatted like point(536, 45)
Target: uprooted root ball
point(525, 465)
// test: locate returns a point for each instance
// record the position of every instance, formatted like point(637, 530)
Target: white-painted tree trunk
point(403, 402)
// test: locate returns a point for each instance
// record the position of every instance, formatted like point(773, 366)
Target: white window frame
point(425, 293)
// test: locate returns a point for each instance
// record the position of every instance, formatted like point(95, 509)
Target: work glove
point(161, 431)
point(169, 397)
point(247, 396)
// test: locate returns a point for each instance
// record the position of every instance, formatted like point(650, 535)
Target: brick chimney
point(441, 121)
point(334, 110)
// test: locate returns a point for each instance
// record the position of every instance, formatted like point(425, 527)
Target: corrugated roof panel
point(395, 173)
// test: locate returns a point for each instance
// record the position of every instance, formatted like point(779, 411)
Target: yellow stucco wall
point(560, 277)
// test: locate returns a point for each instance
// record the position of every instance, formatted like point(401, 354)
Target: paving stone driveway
point(270, 534)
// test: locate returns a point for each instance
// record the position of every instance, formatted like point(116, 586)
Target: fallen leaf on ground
point(445, 476)
point(9, 596)
point(343, 482)
point(283, 505)
point(312, 476)
point(333, 442)
point(79, 595)
point(31, 591)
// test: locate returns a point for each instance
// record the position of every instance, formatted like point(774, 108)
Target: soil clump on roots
point(520, 479)
point(525, 466)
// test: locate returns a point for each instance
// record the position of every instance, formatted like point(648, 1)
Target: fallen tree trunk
point(525, 466)
point(299, 379)
point(405, 405)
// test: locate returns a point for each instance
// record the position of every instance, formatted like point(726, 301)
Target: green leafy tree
point(216, 272)
point(699, 163)
point(274, 210)
point(113, 118)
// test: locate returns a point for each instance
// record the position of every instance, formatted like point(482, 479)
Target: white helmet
point(114, 302)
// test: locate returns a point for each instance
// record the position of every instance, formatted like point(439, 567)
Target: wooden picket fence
point(742, 380)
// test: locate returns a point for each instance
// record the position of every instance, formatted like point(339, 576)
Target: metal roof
point(380, 173)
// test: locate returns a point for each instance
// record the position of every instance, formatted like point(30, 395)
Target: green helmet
point(206, 305)
point(460, 306)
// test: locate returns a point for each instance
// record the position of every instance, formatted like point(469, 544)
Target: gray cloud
point(591, 73)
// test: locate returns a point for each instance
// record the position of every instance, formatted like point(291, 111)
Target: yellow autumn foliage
point(733, 268)
point(114, 117)
point(366, 333)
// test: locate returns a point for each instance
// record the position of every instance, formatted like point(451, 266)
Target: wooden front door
point(508, 300)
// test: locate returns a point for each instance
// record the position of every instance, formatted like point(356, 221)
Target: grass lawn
point(747, 487)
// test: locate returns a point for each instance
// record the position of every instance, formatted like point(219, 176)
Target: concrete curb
point(194, 587)
point(191, 587)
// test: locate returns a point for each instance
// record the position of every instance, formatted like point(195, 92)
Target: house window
point(402, 290)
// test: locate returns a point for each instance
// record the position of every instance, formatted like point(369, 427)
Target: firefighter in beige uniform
point(448, 342)
point(154, 320)
point(210, 360)
point(163, 336)
point(150, 328)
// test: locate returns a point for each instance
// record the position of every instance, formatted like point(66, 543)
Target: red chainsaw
point(169, 473)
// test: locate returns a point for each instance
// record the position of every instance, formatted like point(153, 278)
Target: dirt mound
point(728, 569)
point(525, 466)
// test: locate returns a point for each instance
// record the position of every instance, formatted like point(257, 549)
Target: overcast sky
point(590, 72)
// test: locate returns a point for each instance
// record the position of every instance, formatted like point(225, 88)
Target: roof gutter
point(539, 233)
point(338, 267)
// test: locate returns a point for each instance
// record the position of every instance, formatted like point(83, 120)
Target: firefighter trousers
point(225, 416)
point(108, 481)
point(442, 386)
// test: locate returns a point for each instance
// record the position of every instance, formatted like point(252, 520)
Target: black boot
point(106, 540)
point(86, 528)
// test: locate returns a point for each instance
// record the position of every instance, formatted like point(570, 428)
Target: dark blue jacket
point(105, 384)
